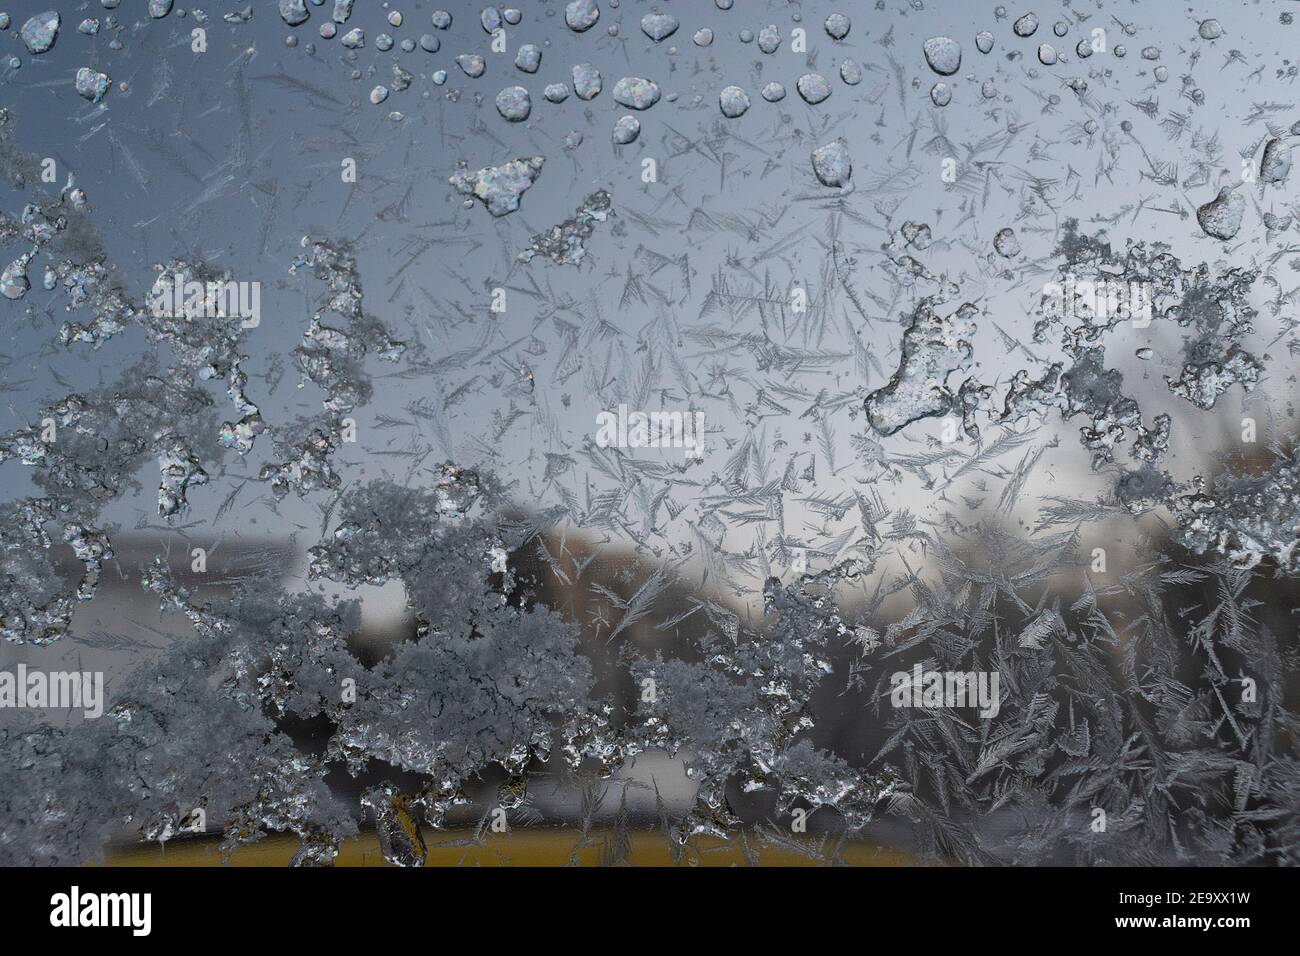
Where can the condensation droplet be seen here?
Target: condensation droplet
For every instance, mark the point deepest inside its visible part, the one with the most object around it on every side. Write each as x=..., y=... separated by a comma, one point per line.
x=813, y=88
x=1026, y=26
x=733, y=101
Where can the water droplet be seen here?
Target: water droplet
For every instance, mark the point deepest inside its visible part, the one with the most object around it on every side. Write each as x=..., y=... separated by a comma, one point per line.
x=514, y=104
x=581, y=15
x=294, y=12
x=1275, y=164
x=659, y=26
x=528, y=58
x=734, y=102
x=39, y=33
x=813, y=88
x=1026, y=26
x=14, y=283
x=500, y=188
x=626, y=130
x=1006, y=243
x=636, y=93
x=471, y=64
x=1221, y=216
x=587, y=82
x=92, y=85
x=943, y=54
x=832, y=163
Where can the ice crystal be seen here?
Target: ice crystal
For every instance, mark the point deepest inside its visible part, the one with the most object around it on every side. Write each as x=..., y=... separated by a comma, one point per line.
x=981, y=377
x=934, y=347
x=565, y=244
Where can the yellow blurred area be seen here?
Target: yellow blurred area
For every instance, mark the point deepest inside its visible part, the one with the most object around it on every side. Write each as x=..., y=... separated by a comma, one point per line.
x=520, y=848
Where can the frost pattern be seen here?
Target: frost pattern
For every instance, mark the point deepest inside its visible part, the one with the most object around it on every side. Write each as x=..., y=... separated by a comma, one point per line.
x=964, y=414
